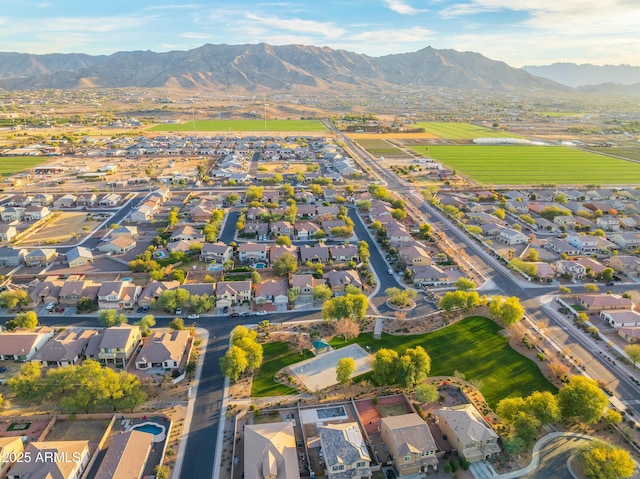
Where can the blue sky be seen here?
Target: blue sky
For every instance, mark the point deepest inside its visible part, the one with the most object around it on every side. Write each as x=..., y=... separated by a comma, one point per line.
x=518, y=32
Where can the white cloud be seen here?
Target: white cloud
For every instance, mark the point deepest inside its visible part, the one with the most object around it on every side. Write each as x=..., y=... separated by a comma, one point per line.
x=399, y=6
x=304, y=27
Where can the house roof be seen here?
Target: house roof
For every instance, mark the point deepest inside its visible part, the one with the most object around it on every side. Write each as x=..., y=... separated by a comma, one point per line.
x=251, y=247
x=305, y=281
x=66, y=345
x=409, y=433
x=50, y=469
x=467, y=424
x=164, y=345
x=20, y=342
x=118, y=336
x=273, y=451
x=271, y=287
x=316, y=251
x=126, y=456
x=605, y=301
x=78, y=252
x=232, y=287
x=277, y=250
x=624, y=316
x=154, y=289
x=343, y=444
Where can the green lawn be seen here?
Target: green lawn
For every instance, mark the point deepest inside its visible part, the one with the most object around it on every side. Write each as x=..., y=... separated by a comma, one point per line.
x=475, y=348
x=243, y=125
x=276, y=356
x=515, y=165
x=461, y=131
x=10, y=165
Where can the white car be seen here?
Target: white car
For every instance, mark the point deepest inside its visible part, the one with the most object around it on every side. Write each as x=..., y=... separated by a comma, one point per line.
x=193, y=316
x=50, y=306
x=390, y=271
x=261, y=313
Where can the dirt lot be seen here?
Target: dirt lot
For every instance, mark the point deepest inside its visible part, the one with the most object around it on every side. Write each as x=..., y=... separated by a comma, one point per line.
x=283, y=168
x=79, y=430
x=68, y=227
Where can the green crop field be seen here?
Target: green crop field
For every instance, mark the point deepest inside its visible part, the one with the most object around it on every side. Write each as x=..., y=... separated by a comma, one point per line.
x=10, y=165
x=380, y=148
x=516, y=165
x=462, y=131
x=242, y=125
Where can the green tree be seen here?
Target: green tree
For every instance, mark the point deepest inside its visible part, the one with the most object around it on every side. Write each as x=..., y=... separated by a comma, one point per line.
x=499, y=213
x=509, y=408
x=465, y=284
x=513, y=445
x=564, y=290
x=321, y=293
x=591, y=288
x=254, y=193
x=286, y=264
x=543, y=406
x=526, y=427
x=352, y=306
x=507, y=310
x=424, y=231
x=582, y=398
x=27, y=320
x=604, y=461
x=344, y=369
x=606, y=275
x=633, y=351
x=177, y=324
x=200, y=303
x=234, y=363
x=421, y=362
x=401, y=297
x=532, y=255
x=27, y=384
x=85, y=305
x=111, y=317
x=283, y=240
x=172, y=217
x=384, y=366
x=426, y=393
x=145, y=324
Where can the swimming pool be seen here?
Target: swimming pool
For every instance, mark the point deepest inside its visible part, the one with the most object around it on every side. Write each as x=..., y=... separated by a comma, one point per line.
x=158, y=431
x=331, y=412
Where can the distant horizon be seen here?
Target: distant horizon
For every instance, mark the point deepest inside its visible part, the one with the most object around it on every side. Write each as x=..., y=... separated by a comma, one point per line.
x=517, y=32
x=316, y=46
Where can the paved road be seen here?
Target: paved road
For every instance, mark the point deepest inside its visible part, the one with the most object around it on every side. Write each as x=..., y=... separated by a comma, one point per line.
x=554, y=457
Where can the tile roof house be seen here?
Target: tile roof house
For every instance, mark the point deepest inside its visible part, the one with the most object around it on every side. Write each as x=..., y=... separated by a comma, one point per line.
x=118, y=245
x=76, y=453
x=599, y=302
x=573, y=268
x=72, y=290
x=118, y=295
x=11, y=449
x=125, y=230
x=622, y=318
x=126, y=456
x=512, y=237
x=40, y=257
x=305, y=229
x=163, y=349
x=315, y=254
x=468, y=432
x=154, y=289
x=272, y=291
x=218, y=252
x=414, y=254
x=410, y=444
x=232, y=292
x=345, y=452
x=277, y=250
x=562, y=247
x=339, y=279
x=118, y=343
x=22, y=345
x=630, y=334
x=629, y=265
x=11, y=256
x=7, y=232
x=273, y=453
x=397, y=233
x=187, y=233
x=66, y=348
x=252, y=252
x=431, y=274
x=79, y=256
x=344, y=252
x=305, y=283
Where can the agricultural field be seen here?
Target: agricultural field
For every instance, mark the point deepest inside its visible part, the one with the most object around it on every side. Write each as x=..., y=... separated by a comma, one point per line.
x=517, y=165
x=10, y=165
x=380, y=148
x=461, y=131
x=244, y=125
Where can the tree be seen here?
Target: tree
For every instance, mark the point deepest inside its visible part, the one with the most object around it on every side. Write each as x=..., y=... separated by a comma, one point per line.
x=466, y=300
x=321, y=293
x=499, y=213
x=247, y=340
x=401, y=297
x=347, y=328
x=633, y=351
x=564, y=290
x=509, y=408
x=543, y=406
x=465, y=284
x=526, y=427
x=582, y=398
x=384, y=369
x=591, y=288
x=199, y=303
x=172, y=299
x=85, y=305
x=507, y=310
x=147, y=322
x=111, y=317
x=421, y=363
x=234, y=363
x=532, y=255
x=177, y=324
x=353, y=306
x=283, y=240
x=286, y=264
x=604, y=461
x=27, y=383
x=172, y=217
x=512, y=445
x=299, y=342
x=344, y=369
x=13, y=299
x=27, y=320
x=424, y=230
x=558, y=369
x=606, y=275
x=254, y=193
x=426, y=393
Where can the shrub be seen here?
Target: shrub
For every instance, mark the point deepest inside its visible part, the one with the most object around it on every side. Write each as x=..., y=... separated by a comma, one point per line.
x=540, y=356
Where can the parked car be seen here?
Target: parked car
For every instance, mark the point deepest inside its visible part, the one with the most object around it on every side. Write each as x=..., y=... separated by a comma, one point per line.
x=261, y=313
x=247, y=314
x=139, y=310
x=234, y=315
x=390, y=271
x=50, y=306
x=178, y=312
x=225, y=309
x=193, y=316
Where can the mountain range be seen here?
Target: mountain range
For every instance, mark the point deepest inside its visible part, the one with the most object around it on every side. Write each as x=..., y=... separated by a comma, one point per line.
x=262, y=68
x=575, y=75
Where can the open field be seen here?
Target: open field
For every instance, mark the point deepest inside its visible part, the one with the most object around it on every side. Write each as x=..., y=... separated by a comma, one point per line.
x=461, y=131
x=276, y=356
x=627, y=150
x=380, y=147
x=10, y=165
x=269, y=167
x=67, y=226
x=244, y=125
x=390, y=136
x=515, y=165
x=475, y=348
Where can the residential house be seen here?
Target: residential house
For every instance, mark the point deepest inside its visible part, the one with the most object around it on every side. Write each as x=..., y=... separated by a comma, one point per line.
x=40, y=257
x=545, y=225
x=123, y=230
x=253, y=252
x=429, y=275
x=66, y=348
x=345, y=453
x=591, y=265
x=277, y=250
x=624, y=264
x=118, y=295
x=273, y=292
x=305, y=229
x=35, y=213
x=468, y=432
x=187, y=233
x=118, y=343
x=163, y=349
x=338, y=280
x=20, y=200
x=491, y=229
x=42, y=199
x=110, y=199
x=305, y=284
x=154, y=289
x=397, y=233
x=11, y=449
x=88, y=199
x=344, y=253
x=126, y=456
x=21, y=344
x=216, y=252
x=270, y=451
x=281, y=228
x=627, y=241
x=257, y=228
x=315, y=254
x=118, y=245
x=482, y=218
x=79, y=256
x=566, y=267
x=594, y=303
x=410, y=444
x=11, y=256
x=414, y=254
x=326, y=212
x=562, y=247
x=199, y=289
x=512, y=237
x=625, y=318
x=142, y=214
x=230, y=293
x=254, y=213
x=7, y=232
x=65, y=201
x=630, y=334
x=45, y=291
x=76, y=452
x=544, y=271
x=306, y=212
x=12, y=213
x=74, y=289
x=608, y=223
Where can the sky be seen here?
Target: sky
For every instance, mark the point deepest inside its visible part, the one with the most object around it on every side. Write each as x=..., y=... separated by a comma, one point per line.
x=518, y=32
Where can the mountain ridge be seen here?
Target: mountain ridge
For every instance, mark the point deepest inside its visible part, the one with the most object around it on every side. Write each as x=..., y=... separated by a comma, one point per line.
x=586, y=74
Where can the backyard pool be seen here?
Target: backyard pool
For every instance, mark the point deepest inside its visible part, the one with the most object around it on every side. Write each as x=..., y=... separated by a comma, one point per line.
x=158, y=431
